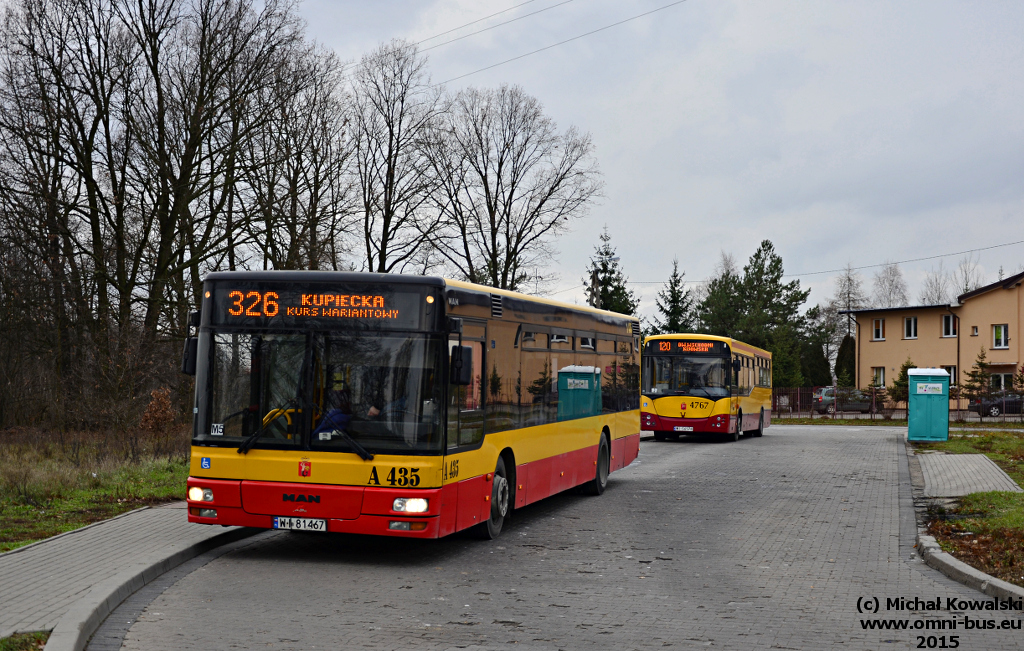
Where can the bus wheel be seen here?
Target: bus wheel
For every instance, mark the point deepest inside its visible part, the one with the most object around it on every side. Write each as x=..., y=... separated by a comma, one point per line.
x=597, y=484
x=760, y=425
x=490, y=529
x=738, y=432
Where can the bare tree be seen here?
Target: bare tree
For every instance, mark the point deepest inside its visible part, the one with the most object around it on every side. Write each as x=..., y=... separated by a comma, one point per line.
x=849, y=295
x=302, y=199
x=393, y=108
x=508, y=182
x=936, y=287
x=890, y=290
x=967, y=275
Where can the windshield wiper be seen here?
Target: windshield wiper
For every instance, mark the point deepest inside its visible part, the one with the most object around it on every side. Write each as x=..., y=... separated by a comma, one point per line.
x=704, y=390
x=359, y=449
x=249, y=442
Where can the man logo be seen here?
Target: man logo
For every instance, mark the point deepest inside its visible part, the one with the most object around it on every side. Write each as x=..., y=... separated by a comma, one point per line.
x=291, y=497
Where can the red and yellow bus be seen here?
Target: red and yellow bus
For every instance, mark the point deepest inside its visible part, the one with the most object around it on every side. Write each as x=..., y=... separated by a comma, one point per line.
x=400, y=405
x=702, y=383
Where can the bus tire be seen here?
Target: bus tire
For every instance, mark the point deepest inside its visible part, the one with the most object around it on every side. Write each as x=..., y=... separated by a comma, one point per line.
x=738, y=432
x=760, y=425
x=491, y=528
x=597, y=485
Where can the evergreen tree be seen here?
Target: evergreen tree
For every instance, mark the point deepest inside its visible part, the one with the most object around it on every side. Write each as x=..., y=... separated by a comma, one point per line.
x=785, y=347
x=900, y=391
x=606, y=282
x=768, y=302
x=977, y=383
x=675, y=305
x=846, y=360
x=721, y=309
x=816, y=339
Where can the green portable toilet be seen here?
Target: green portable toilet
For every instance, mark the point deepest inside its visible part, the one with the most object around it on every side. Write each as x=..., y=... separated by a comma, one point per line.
x=579, y=392
x=928, y=404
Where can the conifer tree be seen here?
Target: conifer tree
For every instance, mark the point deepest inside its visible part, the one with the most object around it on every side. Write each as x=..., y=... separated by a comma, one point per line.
x=846, y=361
x=675, y=305
x=900, y=391
x=977, y=383
x=605, y=281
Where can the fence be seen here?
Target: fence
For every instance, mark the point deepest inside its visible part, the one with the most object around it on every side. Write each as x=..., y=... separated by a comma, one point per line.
x=806, y=402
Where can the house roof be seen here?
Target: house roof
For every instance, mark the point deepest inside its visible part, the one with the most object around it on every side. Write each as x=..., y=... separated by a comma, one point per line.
x=1005, y=283
x=895, y=309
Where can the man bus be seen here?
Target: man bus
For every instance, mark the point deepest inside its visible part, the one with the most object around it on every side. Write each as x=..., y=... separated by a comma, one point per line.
x=400, y=405
x=702, y=383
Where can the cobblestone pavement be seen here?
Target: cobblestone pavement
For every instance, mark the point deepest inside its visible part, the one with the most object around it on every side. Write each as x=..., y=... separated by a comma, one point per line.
x=40, y=583
x=953, y=475
x=766, y=543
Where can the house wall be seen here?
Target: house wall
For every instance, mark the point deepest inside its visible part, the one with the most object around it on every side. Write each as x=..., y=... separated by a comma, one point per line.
x=983, y=311
x=930, y=349
x=996, y=306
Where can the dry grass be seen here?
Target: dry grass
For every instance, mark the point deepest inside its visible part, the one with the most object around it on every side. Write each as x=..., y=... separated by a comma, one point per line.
x=51, y=482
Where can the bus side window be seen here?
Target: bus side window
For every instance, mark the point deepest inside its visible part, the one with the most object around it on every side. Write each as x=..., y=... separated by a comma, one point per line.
x=465, y=410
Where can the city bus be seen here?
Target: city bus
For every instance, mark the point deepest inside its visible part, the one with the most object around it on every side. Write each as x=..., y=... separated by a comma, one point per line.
x=702, y=383
x=400, y=405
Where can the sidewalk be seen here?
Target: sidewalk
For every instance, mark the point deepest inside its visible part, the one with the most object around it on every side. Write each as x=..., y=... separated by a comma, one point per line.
x=938, y=477
x=69, y=583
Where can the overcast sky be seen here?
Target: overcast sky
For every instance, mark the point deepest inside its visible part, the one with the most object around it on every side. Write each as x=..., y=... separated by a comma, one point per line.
x=842, y=131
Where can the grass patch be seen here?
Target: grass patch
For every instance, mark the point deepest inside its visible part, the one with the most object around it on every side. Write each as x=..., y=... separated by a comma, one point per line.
x=826, y=420
x=50, y=484
x=24, y=641
x=985, y=530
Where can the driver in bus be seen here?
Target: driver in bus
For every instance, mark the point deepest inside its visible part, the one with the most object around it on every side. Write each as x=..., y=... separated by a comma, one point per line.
x=339, y=415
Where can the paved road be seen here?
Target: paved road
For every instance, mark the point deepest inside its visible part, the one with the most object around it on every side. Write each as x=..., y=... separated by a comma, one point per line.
x=764, y=543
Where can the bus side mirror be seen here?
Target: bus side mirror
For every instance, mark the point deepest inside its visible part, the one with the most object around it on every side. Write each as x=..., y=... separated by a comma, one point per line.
x=461, y=367
x=736, y=366
x=189, y=354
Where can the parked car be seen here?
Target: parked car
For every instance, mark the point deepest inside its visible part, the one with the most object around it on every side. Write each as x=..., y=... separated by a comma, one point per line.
x=996, y=404
x=824, y=400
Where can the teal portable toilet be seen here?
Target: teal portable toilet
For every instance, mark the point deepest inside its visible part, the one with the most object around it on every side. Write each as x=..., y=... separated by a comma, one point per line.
x=928, y=404
x=579, y=392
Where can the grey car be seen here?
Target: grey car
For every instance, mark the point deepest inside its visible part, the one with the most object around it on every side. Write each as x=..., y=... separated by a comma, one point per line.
x=825, y=400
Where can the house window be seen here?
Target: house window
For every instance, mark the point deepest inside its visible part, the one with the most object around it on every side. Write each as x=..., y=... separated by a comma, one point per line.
x=952, y=374
x=1001, y=381
x=910, y=327
x=878, y=330
x=974, y=331
x=878, y=375
x=948, y=325
x=1000, y=336
x=587, y=342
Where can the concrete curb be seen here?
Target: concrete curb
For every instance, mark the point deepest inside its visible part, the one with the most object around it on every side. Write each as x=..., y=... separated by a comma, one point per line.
x=959, y=571
x=76, y=626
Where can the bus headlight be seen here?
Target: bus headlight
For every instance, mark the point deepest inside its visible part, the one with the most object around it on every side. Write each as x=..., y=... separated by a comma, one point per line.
x=197, y=494
x=410, y=505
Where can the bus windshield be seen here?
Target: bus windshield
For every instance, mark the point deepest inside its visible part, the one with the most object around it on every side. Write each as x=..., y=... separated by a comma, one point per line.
x=321, y=391
x=685, y=375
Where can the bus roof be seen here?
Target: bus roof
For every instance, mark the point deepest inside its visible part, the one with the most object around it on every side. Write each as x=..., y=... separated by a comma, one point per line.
x=431, y=281
x=537, y=299
x=735, y=344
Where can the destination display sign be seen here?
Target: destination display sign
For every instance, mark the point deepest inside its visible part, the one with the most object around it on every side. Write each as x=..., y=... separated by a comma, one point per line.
x=278, y=305
x=683, y=346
